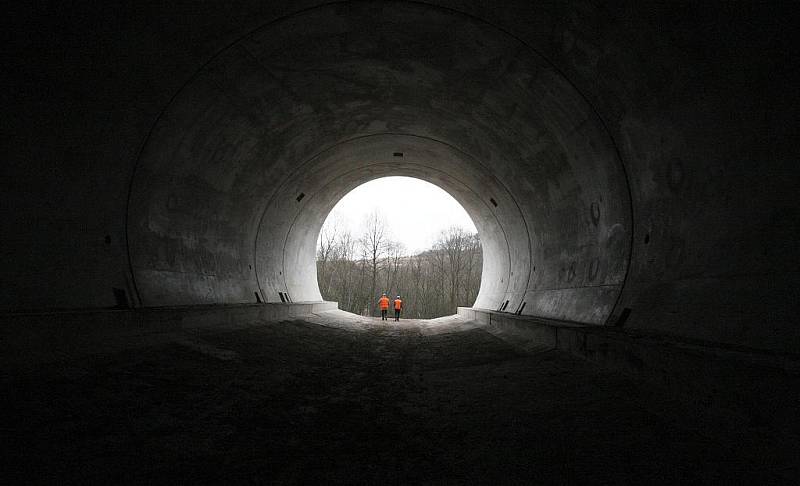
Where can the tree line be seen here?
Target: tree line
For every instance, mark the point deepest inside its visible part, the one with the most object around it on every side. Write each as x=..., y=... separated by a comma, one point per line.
x=354, y=270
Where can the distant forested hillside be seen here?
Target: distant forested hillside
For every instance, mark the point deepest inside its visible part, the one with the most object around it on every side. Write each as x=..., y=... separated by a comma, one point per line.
x=354, y=269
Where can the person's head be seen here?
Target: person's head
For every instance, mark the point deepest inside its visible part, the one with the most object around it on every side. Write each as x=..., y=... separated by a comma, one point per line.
x=398, y=296
x=383, y=293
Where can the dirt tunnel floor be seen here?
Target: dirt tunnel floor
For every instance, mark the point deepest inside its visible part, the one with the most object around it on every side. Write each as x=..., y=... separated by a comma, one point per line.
x=349, y=402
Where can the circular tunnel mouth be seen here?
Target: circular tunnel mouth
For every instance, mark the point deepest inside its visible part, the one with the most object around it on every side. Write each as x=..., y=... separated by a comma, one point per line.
x=330, y=175
x=402, y=237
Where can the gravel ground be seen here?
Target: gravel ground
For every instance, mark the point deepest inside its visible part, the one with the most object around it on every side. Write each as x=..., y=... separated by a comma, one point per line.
x=336, y=399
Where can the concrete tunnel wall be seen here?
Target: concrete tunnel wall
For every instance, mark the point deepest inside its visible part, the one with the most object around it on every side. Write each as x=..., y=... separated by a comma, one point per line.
x=640, y=157
x=334, y=173
x=234, y=151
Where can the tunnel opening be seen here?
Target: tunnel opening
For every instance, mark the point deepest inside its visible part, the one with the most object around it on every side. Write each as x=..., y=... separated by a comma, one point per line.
x=238, y=174
x=287, y=239
x=399, y=236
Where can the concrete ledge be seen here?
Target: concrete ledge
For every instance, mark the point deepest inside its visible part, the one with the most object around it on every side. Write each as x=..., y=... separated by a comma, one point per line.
x=731, y=388
x=522, y=331
x=31, y=338
x=622, y=349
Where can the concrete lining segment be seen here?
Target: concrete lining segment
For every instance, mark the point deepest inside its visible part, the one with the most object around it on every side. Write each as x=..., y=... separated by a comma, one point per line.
x=271, y=118
x=336, y=172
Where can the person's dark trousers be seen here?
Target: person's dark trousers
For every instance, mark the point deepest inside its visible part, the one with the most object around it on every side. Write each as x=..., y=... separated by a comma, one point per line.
x=397, y=314
x=383, y=314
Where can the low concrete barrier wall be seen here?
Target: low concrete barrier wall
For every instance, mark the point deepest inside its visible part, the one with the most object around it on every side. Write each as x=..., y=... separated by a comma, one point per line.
x=28, y=339
x=626, y=350
x=726, y=388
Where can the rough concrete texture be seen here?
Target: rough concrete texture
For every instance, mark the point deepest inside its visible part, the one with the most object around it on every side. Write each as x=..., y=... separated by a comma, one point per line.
x=334, y=398
x=641, y=156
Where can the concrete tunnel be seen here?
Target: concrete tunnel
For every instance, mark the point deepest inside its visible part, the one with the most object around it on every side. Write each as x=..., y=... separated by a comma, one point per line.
x=247, y=160
x=630, y=168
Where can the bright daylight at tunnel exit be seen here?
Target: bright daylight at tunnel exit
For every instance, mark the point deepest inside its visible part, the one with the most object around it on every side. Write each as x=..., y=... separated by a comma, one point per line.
x=404, y=237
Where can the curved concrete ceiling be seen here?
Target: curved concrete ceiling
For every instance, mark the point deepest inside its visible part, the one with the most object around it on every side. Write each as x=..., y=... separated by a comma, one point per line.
x=319, y=102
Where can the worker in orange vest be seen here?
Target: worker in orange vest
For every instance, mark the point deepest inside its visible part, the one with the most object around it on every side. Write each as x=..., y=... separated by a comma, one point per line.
x=384, y=305
x=398, y=306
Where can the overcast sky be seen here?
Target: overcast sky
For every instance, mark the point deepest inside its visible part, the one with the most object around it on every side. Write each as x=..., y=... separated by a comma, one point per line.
x=415, y=210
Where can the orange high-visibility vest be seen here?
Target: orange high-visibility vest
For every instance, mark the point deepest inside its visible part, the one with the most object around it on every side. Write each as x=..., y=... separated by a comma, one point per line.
x=384, y=301
x=398, y=304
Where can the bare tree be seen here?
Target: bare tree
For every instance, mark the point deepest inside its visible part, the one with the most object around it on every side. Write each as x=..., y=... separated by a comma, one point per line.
x=374, y=245
x=474, y=263
x=347, y=267
x=394, y=255
x=325, y=251
x=454, y=243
